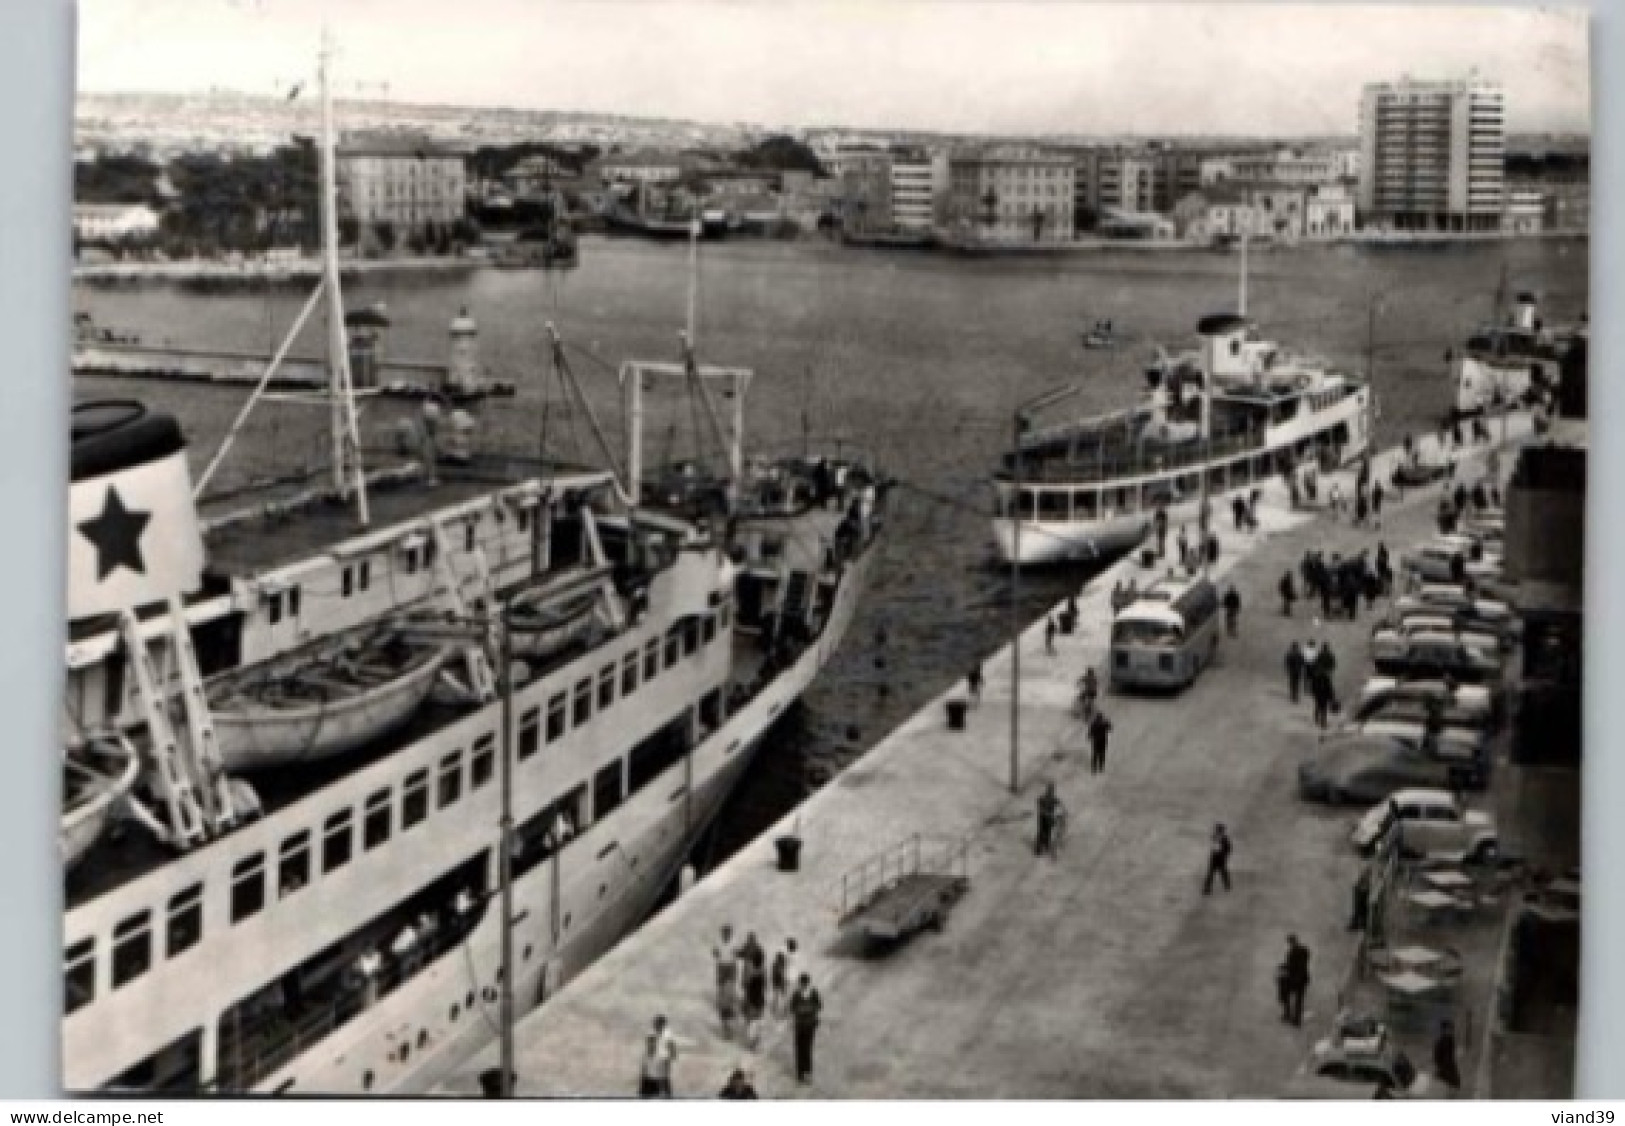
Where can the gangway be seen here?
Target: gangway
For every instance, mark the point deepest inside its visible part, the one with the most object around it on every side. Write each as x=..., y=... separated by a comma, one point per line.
x=910, y=886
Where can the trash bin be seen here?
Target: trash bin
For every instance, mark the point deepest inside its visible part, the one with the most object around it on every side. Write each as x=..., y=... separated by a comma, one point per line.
x=491, y=1082
x=956, y=715
x=789, y=853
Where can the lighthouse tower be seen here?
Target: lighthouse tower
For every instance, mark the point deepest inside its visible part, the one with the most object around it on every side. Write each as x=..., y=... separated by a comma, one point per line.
x=463, y=372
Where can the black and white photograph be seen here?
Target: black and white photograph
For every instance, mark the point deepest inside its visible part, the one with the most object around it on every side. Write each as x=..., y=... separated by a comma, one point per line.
x=901, y=550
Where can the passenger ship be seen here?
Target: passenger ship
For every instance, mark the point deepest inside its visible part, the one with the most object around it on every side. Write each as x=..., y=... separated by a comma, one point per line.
x=1507, y=363
x=311, y=901
x=1237, y=409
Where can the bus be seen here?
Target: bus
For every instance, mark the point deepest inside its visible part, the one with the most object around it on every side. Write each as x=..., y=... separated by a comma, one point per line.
x=1166, y=636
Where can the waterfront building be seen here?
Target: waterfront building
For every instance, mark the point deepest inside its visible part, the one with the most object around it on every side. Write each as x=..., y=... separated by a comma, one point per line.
x=642, y=167
x=919, y=189
x=865, y=192
x=114, y=222
x=1301, y=166
x=1432, y=155
x=1328, y=212
x=1012, y=194
x=407, y=182
x=1524, y=212
x=1283, y=212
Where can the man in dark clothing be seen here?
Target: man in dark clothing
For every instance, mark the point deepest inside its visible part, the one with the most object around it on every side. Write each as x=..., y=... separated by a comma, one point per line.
x=1458, y=499
x=1361, y=915
x=1100, y=729
x=1218, y=860
x=974, y=683
x=1360, y=509
x=1444, y=1057
x=805, y=1008
x=1238, y=510
x=1049, y=807
x=1376, y=500
x=1320, y=690
x=1212, y=548
x=1295, y=980
x=1160, y=521
x=739, y=1086
x=1351, y=595
x=1294, y=669
x=1289, y=594
x=1385, y=570
x=1326, y=592
x=1232, y=610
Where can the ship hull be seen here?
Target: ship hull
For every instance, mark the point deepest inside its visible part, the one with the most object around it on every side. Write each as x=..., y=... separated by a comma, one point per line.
x=432, y=1017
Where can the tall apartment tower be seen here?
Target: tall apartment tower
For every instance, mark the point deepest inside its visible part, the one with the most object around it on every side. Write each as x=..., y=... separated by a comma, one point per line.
x=1432, y=154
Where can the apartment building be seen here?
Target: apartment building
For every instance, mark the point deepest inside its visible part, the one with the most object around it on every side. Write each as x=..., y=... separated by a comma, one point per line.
x=407, y=182
x=1432, y=155
x=1012, y=194
x=919, y=189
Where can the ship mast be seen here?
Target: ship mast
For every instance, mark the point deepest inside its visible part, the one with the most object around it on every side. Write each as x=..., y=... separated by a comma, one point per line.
x=348, y=474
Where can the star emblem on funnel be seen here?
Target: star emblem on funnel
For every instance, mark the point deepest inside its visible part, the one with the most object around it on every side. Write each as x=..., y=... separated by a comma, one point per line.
x=116, y=533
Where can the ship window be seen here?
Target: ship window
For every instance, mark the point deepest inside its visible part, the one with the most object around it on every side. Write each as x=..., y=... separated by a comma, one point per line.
x=451, y=778
x=555, y=718
x=674, y=646
x=274, y=608
x=607, y=790
x=185, y=921
x=1052, y=505
x=375, y=827
x=414, y=799
x=79, y=982
x=247, y=887
x=482, y=764
x=724, y=616
x=523, y=520
x=349, y=581
x=1026, y=504
x=691, y=637
x=629, y=674
x=293, y=866
x=364, y=574
x=468, y=534
x=293, y=602
x=1084, y=504
x=583, y=703
x=606, y=687
x=708, y=629
x=336, y=841
x=530, y=733
x=651, y=659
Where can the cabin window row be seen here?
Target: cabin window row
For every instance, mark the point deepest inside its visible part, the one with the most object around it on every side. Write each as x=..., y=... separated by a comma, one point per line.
x=296, y=857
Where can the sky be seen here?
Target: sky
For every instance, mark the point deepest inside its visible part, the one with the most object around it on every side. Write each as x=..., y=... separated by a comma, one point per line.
x=1006, y=67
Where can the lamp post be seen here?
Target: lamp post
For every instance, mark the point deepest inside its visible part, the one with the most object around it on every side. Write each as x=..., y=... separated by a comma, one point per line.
x=505, y=868
x=1048, y=398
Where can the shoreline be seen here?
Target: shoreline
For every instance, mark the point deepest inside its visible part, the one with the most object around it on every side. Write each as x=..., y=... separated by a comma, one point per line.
x=310, y=269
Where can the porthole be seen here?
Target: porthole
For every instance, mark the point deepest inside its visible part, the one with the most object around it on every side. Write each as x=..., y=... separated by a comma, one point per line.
x=406, y=1052
x=498, y=978
x=468, y=1002
x=366, y=1081
x=423, y=1039
x=528, y=951
x=456, y=1010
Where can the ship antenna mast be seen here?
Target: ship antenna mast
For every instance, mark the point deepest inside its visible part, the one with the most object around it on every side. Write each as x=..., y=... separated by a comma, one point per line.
x=348, y=473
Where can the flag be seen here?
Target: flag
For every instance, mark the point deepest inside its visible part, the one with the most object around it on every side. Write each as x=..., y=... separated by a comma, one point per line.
x=133, y=535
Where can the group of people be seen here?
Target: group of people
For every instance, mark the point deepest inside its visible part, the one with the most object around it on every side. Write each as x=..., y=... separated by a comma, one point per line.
x=749, y=988
x=1313, y=664
x=1339, y=584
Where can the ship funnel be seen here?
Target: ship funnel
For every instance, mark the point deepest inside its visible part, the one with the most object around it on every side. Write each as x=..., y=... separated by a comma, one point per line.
x=133, y=536
x=1525, y=311
x=1224, y=346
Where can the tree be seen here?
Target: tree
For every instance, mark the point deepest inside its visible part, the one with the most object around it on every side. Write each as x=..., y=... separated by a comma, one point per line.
x=781, y=154
x=990, y=208
x=384, y=232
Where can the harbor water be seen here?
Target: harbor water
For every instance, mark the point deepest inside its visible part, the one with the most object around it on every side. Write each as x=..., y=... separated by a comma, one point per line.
x=918, y=359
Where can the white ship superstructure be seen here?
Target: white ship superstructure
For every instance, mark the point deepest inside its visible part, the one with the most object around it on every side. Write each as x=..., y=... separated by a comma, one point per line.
x=1506, y=364
x=1239, y=411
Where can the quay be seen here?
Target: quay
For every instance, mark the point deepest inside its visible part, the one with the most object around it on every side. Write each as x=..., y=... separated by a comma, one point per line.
x=1103, y=973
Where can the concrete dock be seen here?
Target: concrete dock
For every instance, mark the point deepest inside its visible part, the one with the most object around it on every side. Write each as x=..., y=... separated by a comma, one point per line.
x=1103, y=973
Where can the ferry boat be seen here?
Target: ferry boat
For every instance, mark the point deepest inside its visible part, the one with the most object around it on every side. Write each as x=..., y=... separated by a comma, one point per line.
x=360, y=920
x=1507, y=364
x=1236, y=411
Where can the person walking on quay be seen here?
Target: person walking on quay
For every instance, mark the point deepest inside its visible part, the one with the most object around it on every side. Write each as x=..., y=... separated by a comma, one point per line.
x=1160, y=523
x=659, y=1053
x=1184, y=548
x=1361, y=507
x=1289, y=594
x=1049, y=811
x=1385, y=569
x=1376, y=501
x=1049, y=636
x=784, y=971
x=1232, y=610
x=973, y=684
x=1253, y=498
x=1212, y=548
x=1238, y=511
x=1320, y=691
x=754, y=974
x=1218, y=860
x=1294, y=669
x=727, y=964
x=1100, y=729
x=1360, y=917
x=1444, y=1057
x=1294, y=980
x=1335, y=497
x=806, y=1007
x=739, y=1086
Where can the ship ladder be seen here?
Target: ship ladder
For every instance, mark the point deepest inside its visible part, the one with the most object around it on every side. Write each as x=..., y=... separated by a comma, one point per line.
x=611, y=598
x=449, y=593
x=797, y=596
x=187, y=824
x=220, y=797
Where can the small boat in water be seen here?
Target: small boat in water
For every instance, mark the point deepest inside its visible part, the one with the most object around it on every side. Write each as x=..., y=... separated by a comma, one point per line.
x=324, y=700
x=97, y=773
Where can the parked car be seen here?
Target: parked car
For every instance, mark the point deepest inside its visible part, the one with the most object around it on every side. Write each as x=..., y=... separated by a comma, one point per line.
x=1451, y=559
x=1365, y=766
x=1457, y=600
x=1390, y=638
x=1385, y=1067
x=1433, y=824
x=1441, y=654
x=1464, y=705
